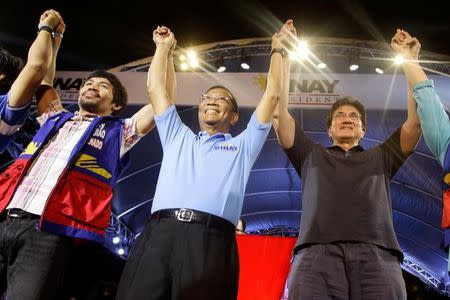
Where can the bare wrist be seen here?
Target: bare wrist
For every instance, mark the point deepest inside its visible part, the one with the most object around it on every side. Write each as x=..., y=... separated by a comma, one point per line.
x=163, y=47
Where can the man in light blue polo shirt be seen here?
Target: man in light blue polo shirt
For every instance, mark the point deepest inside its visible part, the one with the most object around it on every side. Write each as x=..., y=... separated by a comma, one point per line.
x=188, y=249
x=433, y=118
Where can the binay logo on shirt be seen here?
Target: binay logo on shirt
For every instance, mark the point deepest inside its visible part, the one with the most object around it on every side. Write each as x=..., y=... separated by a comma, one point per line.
x=226, y=147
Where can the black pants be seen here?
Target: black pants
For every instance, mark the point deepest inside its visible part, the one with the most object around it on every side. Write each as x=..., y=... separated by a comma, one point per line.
x=345, y=271
x=179, y=260
x=32, y=262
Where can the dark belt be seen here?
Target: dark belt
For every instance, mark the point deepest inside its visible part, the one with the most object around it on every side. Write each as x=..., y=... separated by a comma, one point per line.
x=193, y=216
x=20, y=214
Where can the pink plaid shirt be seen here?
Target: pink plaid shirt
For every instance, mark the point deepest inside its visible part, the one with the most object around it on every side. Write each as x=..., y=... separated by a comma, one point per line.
x=37, y=185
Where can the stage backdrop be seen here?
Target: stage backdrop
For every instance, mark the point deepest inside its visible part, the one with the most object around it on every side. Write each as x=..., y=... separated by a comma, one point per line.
x=309, y=90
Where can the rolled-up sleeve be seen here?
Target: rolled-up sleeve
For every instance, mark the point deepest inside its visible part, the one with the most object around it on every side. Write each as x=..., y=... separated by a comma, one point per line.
x=433, y=118
x=11, y=118
x=255, y=136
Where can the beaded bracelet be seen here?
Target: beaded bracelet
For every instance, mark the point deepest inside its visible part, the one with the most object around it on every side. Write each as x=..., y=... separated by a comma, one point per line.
x=278, y=50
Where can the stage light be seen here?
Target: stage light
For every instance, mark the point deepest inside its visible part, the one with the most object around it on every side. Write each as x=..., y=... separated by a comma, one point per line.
x=184, y=66
x=192, y=58
x=245, y=63
x=353, y=67
x=182, y=57
x=398, y=60
x=321, y=65
x=319, y=59
x=121, y=251
x=116, y=240
x=302, y=49
x=354, y=60
x=292, y=55
x=193, y=63
x=379, y=71
x=245, y=66
x=220, y=66
x=301, y=52
x=191, y=54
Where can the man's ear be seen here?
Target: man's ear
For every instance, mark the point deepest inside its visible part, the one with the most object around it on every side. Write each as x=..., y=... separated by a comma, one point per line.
x=234, y=119
x=116, y=107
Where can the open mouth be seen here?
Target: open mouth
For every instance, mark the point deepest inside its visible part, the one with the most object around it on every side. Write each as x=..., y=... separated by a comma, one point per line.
x=211, y=111
x=91, y=94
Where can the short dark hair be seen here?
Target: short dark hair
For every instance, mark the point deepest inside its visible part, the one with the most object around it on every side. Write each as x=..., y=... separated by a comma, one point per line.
x=120, y=96
x=348, y=100
x=234, y=104
x=10, y=66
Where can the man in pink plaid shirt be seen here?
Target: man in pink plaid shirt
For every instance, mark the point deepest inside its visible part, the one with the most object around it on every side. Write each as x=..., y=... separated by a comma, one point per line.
x=62, y=183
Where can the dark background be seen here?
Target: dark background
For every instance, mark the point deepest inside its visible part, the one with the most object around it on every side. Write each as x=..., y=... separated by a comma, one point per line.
x=105, y=34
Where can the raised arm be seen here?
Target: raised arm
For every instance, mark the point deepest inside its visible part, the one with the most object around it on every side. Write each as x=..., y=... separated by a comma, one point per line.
x=157, y=73
x=434, y=120
x=408, y=47
x=38, y=61
x=46, y=96
x=283, y=122
x=145, y=116
x=171, y=80
x=269, y=100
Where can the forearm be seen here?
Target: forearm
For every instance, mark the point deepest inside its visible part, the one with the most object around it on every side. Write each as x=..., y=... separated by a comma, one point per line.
x=284, y=124
x=51, y=72
x=285, y=85
x=40, y=53
x=145, y=119
x=34, y=71
x=47, y=99
x=275, y=76
x=413, y=117
x=411, y=130
x=46, y=96
x=266, y=107
x=413, y=72
x=156, y=80
x=171, y=81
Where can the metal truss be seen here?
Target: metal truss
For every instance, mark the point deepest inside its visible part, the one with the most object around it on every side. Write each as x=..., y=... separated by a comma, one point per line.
x=425, y=276
x=332, y=49
x=117, y=229
x=282, y=231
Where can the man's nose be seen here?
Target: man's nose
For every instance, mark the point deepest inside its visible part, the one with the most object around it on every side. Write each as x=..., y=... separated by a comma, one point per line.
x=212, y=102
x=347, y=119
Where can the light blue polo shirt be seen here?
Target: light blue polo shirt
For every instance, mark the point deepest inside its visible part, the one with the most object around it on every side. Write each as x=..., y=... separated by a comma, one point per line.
x=202, y=172
x=11, y=118
x=433, y=119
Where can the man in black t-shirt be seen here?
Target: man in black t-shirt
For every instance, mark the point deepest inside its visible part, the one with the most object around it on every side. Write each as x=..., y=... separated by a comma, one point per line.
x=347, y=248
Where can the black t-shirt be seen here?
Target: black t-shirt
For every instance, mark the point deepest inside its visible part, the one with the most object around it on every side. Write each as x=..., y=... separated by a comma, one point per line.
x=345, y=195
